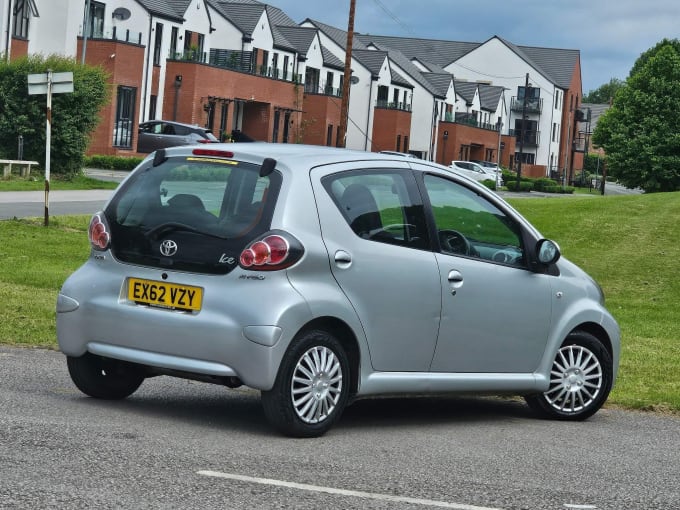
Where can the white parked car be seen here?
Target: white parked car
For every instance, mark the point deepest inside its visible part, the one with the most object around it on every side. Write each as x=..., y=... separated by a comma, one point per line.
x=475, y=171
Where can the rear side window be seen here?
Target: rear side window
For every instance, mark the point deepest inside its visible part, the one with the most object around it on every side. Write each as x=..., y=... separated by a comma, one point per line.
x=382, y=206
x=211, y=208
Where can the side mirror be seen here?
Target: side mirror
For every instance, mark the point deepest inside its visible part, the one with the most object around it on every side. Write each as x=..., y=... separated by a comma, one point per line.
x=547, y=252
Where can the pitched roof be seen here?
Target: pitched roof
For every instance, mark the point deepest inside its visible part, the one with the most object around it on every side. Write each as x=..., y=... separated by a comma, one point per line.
x=165, y=9
x=298, y=38
x=410, y=69
x=337, y=35
x=558, y=64
x=330, y=60
x=371, y=60
x=439, y=82
x=398, y=79
x=244, y=15
x=466, y=90
x=489, y=96
x=596, y=111
x=436, y=51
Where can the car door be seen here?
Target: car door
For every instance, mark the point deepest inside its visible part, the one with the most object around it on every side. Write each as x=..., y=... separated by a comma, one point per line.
x=495, y=312
x=374, y=229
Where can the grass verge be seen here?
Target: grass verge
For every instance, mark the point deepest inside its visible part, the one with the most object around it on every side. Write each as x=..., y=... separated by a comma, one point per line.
x=629, y=244
x=56, y=183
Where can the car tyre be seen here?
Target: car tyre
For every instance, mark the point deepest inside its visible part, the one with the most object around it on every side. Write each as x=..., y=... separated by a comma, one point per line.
x=104, y=378
x=311, y=387
x=580, y=380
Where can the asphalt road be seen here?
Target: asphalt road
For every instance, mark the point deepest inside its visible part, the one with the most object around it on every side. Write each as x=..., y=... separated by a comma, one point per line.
x=181, y=444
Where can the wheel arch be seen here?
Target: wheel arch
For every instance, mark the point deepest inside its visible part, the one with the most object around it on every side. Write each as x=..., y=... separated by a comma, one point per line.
x=344, y=334
x=598, y=332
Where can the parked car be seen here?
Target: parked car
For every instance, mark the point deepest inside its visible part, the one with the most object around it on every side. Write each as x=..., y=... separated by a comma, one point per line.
x=321, y=275
x=160, y=134
x=476, y=171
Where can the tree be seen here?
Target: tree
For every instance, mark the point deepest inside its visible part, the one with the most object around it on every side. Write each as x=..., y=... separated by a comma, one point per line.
x=74, y=115
x=641, y=131
x=604, y=93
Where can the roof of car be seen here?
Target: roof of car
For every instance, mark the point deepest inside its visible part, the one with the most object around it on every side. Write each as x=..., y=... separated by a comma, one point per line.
x=293, y=155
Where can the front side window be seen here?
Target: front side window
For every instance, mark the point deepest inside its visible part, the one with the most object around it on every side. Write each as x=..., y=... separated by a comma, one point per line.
x=469, y=225
x=381, y=206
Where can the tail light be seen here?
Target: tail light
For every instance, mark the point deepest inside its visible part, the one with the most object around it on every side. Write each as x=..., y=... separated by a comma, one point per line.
x=271, y=252
x=99, y=235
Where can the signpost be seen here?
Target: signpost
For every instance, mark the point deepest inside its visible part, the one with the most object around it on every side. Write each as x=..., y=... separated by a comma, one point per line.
x=49, y=83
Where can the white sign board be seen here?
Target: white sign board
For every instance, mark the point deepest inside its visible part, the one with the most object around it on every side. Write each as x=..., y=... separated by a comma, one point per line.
x=61, y=83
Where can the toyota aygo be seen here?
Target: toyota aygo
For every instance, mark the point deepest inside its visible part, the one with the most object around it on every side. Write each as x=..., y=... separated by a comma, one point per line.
x=319, y=276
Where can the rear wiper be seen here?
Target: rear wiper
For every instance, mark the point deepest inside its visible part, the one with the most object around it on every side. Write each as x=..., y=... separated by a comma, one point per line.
x=164, y=228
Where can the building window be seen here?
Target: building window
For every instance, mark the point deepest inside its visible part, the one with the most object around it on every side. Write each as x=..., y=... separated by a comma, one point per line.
x=275, y=65
x=95, y=24
x=125, y=114
x=277, y=121
x=286, y=127
x=23, y=10
x=329, y=83
x=223, y=121
x=405, y=143
x=153, y=101
x=173, y=42
x=557, y=99
x=286, y=62
x=200, y=43
x=157, y=45
x=187, y=42
x=398, y=143
x=329, y=135
x=554, y=132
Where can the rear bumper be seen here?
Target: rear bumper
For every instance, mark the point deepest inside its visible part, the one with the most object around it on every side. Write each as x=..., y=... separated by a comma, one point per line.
x=230, y=336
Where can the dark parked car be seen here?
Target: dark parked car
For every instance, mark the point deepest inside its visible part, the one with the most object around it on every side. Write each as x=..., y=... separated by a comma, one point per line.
x=159, y=134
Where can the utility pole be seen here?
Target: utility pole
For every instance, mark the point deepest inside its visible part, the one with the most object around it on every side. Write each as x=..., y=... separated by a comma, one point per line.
x=521, y=132
x=344, y=105
x=85, y=30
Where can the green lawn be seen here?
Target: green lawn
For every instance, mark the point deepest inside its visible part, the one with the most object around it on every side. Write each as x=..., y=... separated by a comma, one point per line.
x=56, y=183
x=629, y=244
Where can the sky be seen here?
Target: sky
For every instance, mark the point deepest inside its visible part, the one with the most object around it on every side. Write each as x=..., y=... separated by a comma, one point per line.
x=610, y=34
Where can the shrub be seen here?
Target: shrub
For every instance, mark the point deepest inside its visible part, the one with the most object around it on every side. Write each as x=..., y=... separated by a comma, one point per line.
x=111, y=162
x=543, y=183
x=523, y=185
x=568, y=190
x=74, y=115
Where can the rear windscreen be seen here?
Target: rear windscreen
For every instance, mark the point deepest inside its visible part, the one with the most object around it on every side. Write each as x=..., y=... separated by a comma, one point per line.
x=209, y=208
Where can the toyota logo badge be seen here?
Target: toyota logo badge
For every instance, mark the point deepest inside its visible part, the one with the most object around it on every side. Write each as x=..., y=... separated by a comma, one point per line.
x=168, y=248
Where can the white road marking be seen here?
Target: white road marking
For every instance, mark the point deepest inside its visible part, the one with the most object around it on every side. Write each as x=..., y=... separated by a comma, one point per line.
x=582, y=507
x=344, y=492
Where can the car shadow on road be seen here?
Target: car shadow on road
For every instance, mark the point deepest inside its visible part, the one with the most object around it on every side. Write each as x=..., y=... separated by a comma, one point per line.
x=221, y=409
x=450, y=410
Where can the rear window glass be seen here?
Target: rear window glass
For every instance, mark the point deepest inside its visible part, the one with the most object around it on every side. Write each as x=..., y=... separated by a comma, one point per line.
x=215, y=205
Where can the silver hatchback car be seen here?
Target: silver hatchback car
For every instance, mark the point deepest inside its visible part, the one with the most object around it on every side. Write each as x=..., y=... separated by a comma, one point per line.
x=319, y=276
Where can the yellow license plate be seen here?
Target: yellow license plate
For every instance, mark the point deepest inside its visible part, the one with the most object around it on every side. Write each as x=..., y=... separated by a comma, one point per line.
x=166, y=295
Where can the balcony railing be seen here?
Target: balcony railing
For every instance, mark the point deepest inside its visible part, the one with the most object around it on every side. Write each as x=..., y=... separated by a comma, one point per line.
x=471, y=120
x=391, y=105
x=116, y=35
x=531, y=138
x=534, y=104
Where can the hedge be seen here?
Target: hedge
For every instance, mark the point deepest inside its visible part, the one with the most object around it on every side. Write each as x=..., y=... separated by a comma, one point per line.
x=111, y=162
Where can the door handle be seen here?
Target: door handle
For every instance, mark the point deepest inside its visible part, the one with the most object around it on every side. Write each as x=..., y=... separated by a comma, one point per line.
x=343, y=259
x=456, y=280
